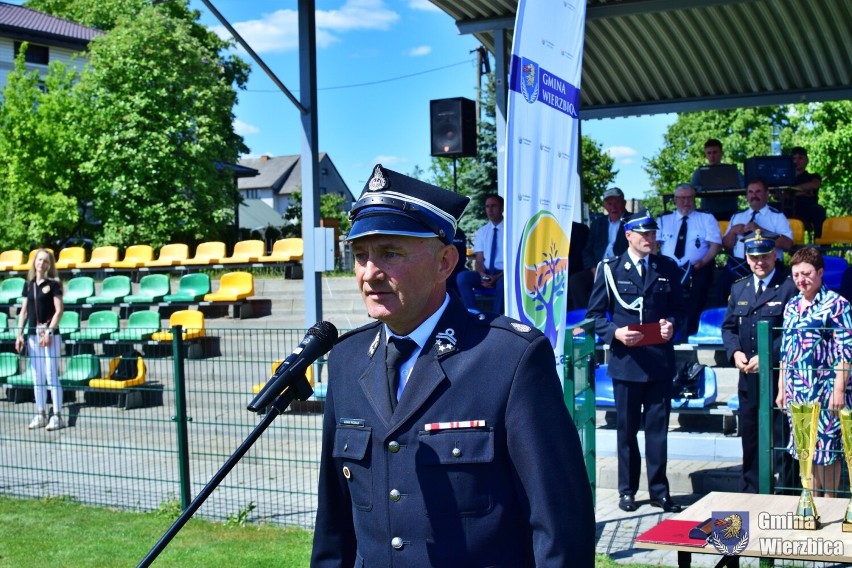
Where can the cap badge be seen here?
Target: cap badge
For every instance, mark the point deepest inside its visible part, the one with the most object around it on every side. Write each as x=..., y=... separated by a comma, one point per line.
x=378, y=181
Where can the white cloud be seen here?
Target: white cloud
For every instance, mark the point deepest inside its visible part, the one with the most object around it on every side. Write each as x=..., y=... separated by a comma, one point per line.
x=279, y=31
x=424, y=5
x=243, y=128
x=389, y=160
x=420, y=50
x=621, y=152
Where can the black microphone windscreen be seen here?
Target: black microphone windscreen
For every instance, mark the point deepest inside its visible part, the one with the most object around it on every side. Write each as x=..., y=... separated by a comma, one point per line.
x=325, y=332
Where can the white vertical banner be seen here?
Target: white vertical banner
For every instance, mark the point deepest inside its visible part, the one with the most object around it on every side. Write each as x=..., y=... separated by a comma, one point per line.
x=542, y=149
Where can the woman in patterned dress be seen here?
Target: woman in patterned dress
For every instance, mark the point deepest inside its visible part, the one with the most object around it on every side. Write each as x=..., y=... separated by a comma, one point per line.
x=816, y=350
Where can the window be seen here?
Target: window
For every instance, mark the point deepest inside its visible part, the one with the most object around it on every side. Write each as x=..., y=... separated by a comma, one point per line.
x=38, y=54
x=252, y=194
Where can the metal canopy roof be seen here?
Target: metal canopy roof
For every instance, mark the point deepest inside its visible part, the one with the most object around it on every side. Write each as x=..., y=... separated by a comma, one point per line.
x=657, y=56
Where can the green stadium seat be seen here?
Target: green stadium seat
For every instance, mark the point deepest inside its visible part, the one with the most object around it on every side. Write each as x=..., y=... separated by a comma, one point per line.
x=9, y=331
x=79, y=370
x=11, y=290
x=100, y=325
x=152, y=288
x=113, y=290
x=8, y=365
x=69, y=323
x=22, y=379
x=191, y=288
x=78, y=290
x=140, y=327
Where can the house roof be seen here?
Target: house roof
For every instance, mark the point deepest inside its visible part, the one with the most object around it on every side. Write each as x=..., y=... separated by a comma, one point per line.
x=656, y=56
x=282, y=174
x=256, y=215
x=23, y=23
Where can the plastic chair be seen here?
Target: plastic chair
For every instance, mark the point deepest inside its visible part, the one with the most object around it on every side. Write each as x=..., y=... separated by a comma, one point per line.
x=192, y=322
x=140, y=327
x=210, y=252
x=604, y=395
x=101, y=258
x=170, y=255
x=723, y=226
x=191, y=288
x=246, y=252
x=286, y=250
x=836, y=230
x=23, y=267
x=69, y=323
x=309, y=374
x=78, y=290
x=113, y=290
x=706, y=393
x=709, y=328
x=109, y=383
x=798, y=228
x=100, y=325
x=134, y=257
x=70, y=257
x=7, y=332
x=734, y=402
x=574, y=317
x=11, y=289
x=8, y=365
x=25, y=378
x=832, y=275
x=10, y=258
x=152, y=288
x=79, y=370
x=233, y=286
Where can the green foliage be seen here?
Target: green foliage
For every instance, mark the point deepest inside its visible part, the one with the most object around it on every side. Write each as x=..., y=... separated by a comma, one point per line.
x=332, y=206
x=169, y=509
x=239, y=518
x=596, y=172
x=101, y=14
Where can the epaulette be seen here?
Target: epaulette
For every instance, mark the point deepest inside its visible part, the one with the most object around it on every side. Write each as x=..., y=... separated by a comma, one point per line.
x=610, y=259
x=771, y=208
x=746, y=277
x=524, y=330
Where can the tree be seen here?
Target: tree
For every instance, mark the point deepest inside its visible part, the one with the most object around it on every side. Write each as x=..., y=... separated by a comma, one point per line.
x=596, y=173
x=100, y=14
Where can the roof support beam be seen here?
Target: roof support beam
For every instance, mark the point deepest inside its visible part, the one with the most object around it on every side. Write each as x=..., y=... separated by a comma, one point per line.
x=642, y=7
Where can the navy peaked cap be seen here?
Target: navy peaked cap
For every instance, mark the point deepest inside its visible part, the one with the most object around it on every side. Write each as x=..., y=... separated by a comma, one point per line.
x=759, y=242
x=641, y=222
x=396, y=204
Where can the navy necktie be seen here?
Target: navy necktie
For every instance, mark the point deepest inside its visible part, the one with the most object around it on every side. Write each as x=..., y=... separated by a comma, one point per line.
x=492, y=258
x=759, y=288
x=399, y=351
x=680, y=246
x=643, y=270
x=753, y=215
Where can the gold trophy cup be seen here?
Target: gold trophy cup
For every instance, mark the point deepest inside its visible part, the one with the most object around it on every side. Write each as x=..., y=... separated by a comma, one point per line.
x=805, y=416
x=846, y=430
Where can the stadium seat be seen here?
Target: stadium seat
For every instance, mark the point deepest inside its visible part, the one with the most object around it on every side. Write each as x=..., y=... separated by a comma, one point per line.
x=604, y=394
x=69, y=323
x=10, y=258
x=11, y=289
x=286, y=250
x=233, y=286
x=723, y=226
x=832, y=275
x=25, y=378
x=25, y=266
x=734, y=402
x=8, y=365
x=706, y=392
x=8, y=328
x=101, y=258
x=709, y=328
x=100, y=325
x=134, y=257
x=309, y=374
x=109, y=383
x=79, y=370
x=113, y=290
x=191, y=288
x=573, y=317
x=70, y=257
x=192, y=322
x=246, y=252
x=170, y=255
x=152, y=288
x=798, y=232
x=210, y=252
x=140, y=327
x=836, y=230
x=78, y=290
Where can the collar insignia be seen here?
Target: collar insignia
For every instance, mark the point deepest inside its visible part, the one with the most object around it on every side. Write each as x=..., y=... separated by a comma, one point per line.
x=448, y=335
x=654, y=265
x=626, y=266
x=443, y=347
x=375, y=344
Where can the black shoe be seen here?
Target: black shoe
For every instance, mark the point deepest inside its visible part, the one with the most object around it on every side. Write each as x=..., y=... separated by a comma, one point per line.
x=667, y=504
x=627, y=503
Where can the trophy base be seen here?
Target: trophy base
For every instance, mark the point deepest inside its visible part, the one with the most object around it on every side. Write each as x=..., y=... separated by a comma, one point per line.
x=807, y=522
x=846, y=527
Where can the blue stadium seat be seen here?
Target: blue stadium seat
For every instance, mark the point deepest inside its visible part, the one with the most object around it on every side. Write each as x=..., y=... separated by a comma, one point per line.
x=734, y=402
x=604, y=395
x=709, y=328
x=707, y=393
x=833, y=273
x=573, y=317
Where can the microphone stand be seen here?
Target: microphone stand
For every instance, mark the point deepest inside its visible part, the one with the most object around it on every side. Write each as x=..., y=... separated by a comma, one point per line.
x=299, y=390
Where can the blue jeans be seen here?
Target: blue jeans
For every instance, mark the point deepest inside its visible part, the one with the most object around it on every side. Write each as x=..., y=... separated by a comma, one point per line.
x=468, y=281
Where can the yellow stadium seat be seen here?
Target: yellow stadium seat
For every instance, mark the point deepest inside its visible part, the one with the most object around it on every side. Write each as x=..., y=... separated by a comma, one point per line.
x=192, y=322
x=135, y=256
x=171, y=255
x=101, y=258
x=233, y=286
x=70, y=257
x=110, y=383
x=10, y=258
x=23, y=267
x=723, y=226
x=798, y=231
x=286, y=250
x=246, y=252
x=309, y=373
x=210, y=252
x=836, y=230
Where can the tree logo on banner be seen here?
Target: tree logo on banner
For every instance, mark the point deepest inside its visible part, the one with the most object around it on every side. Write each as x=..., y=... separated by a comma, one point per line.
x=542, y=262
x=529, y=80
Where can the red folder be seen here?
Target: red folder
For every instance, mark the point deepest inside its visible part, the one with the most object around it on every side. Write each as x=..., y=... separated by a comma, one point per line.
x=651, y=333
x=675, y=533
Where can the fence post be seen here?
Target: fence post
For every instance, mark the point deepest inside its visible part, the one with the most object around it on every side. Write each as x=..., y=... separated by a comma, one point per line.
x=765, y=409
x=180, y=416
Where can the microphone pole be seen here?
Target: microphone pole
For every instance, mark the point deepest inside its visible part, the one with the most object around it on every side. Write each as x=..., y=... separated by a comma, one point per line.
x=298, y=390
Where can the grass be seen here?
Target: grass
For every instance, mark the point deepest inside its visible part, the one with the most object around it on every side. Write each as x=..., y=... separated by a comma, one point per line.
x=60, y=532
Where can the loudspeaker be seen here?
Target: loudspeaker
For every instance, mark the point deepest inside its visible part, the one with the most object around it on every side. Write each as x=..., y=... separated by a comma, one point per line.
x=453, y=127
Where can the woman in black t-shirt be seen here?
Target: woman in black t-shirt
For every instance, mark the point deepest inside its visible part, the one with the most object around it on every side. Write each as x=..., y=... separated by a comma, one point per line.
x=38, y=321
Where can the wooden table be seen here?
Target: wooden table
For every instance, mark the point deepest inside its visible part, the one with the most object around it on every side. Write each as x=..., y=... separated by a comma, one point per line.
x=831, y=512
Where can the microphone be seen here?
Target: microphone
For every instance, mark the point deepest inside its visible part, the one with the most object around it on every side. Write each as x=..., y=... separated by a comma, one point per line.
x=317, y=342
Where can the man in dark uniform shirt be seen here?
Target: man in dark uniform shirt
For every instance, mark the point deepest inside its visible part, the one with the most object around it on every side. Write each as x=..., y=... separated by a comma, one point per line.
x=457, y=450
x=758, y=297
x=639, y=287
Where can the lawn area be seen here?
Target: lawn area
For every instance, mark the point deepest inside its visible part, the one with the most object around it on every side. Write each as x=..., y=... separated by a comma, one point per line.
x=61, y=533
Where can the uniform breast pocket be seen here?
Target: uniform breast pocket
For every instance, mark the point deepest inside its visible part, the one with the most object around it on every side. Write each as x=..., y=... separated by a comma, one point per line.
x=662, y=287
x=628, y=289
x=456, y=472
x=352, y=448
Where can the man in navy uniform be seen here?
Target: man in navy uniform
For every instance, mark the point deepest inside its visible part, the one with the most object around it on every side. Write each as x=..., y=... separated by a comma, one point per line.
x=760, y=296
x=639, y=287
x=446, y=441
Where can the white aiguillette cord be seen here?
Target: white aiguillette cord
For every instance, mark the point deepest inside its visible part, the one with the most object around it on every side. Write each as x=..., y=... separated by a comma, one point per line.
x=635, y=306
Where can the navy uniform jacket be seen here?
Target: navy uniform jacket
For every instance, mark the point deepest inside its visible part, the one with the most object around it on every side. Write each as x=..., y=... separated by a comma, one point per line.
x=663, y=300
x=512, y=493
x=739, y=330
